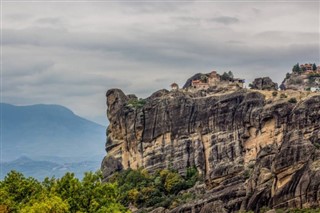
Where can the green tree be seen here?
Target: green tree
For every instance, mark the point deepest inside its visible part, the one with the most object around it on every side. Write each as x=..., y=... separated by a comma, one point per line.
x=96, y=194
x=230, y=74
x=67, y=194
x=173, y=182
x=296, y=68
x=70, y=190
x=314, y=67
x=16, y=190
x=287, y=75
x=52, y=204
x=225, y=77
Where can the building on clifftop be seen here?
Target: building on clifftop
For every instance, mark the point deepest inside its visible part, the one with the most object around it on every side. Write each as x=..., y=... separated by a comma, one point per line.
x=213, y=79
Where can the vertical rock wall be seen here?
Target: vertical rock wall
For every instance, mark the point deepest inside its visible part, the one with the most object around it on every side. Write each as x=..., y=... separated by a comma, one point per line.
x=250, y=153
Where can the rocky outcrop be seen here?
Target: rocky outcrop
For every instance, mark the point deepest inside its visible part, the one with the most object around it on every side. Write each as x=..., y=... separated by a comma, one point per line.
x=264, y=83
x=301, y=81
x=250, y=152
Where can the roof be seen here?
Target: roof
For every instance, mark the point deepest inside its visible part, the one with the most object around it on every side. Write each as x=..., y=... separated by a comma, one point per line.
x=239, y=79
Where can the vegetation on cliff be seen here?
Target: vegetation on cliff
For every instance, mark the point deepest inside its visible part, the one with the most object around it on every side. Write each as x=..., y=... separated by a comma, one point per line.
x=164, y=188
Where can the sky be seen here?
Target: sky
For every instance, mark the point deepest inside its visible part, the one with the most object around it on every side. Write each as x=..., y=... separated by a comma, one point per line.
x=71, y=52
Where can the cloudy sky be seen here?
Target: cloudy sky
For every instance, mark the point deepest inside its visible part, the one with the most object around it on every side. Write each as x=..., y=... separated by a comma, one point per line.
x=71, y=53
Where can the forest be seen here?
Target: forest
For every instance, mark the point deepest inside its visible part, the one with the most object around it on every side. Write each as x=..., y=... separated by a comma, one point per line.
x=137, y=189
x=69, y=194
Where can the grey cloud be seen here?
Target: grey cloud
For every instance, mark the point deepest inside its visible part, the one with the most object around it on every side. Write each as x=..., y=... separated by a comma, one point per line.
x=256, y=11
x=49, y=20
x=161, y=49
x=187, y=20
x=17, y=17
x=226, y=20
x=282, y=35
x=235, y=42
x=53, y=22
x=154, y=7
x=73, y=59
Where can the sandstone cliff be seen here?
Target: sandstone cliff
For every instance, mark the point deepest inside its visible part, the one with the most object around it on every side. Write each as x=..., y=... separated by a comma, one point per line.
x=252, y=149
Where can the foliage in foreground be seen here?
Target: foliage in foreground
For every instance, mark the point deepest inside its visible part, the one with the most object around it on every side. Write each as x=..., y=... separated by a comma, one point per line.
x=67, y=194
x=163, y=188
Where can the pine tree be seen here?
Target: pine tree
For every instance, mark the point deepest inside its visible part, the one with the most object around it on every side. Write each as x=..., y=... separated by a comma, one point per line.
x=296, y=68
x=314, y=67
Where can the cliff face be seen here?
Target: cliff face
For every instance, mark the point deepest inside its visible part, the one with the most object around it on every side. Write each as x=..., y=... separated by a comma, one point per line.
x=252, y=152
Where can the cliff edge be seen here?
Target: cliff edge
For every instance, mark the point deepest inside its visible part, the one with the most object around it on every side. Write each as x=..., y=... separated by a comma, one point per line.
x=253, y=148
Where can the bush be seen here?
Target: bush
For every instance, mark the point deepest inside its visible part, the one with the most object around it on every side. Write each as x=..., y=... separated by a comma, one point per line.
x=288, y=75
x=283, y=96
x=293, y=100
x=142, y=189
x=317, y=145
x=136, y=103
x=246, y=174
x=264, y=209
x=226, y=76
x=274, y=93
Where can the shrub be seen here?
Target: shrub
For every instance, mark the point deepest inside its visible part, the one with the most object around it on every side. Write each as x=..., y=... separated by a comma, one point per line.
x=153, y=190
x=136, y=103
x=264, y=209
x=246, y=174
x=293, y=100
x=288, y=75
x=317, y=145
x=274, y=93
x=283, y=96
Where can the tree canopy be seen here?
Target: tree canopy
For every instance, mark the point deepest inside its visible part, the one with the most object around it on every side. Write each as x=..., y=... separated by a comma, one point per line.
x=67, y=194
x=226, y=76
x=296, y=68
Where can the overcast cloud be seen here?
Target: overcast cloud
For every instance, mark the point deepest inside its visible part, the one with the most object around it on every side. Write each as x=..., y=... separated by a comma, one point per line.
x=72, y=53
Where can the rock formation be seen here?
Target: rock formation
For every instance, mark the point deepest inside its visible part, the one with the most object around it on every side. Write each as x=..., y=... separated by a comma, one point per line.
x=264, y=83
x=251, y=152
x=303, y=77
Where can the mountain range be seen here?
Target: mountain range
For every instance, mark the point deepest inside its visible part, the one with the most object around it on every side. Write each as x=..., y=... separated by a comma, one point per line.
x=50, y=135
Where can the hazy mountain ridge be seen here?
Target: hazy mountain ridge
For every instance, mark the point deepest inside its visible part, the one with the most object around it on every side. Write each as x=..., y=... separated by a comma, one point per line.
x=44, y=129
x=48, y=134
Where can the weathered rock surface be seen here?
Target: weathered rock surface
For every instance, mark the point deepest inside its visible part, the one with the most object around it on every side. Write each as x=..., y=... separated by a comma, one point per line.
x=264, y=83
x=301, y=81
x=251, y=152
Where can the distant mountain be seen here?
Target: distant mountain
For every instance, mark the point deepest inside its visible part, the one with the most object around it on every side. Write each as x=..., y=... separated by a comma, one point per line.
x=42, y=169
x=49, y=131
